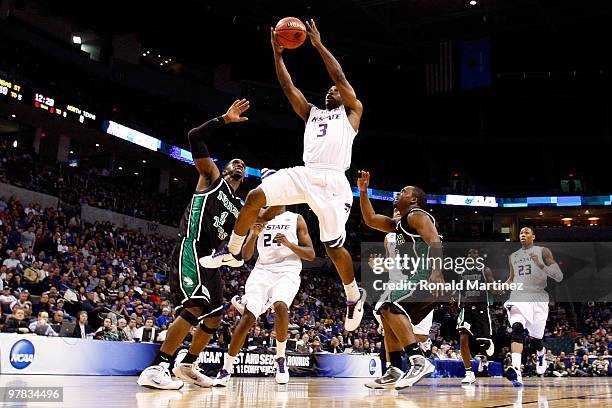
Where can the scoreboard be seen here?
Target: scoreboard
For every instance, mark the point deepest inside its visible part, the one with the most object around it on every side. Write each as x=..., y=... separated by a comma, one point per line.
x=44, y=101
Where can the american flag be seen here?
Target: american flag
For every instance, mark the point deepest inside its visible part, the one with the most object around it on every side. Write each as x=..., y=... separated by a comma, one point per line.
x=439, y=72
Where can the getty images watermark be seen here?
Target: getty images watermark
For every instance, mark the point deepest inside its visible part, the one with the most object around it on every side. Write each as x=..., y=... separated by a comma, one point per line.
x=405, y=271
x=410, y=266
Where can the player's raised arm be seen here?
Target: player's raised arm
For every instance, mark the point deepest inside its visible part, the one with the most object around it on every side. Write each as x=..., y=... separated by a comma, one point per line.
x=209, y=172
x=304, y=248
x=296, y=97
x=377, y=221
x=334, y=69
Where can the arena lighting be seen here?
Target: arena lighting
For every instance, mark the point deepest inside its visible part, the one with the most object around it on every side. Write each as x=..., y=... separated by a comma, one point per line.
x=567, y=219
x=475, y=212
x=71, y=152
x=120, y=168
x=593, y=218
x=135, y=173
x=97, y=144
x=473, y=2
x=541, y=213
x=151, y=143
x=144, y=161
x=13, y=116
x=15, y=143
x=144, y=54
x=586, y=212
x=175, y=179
x=76, y=39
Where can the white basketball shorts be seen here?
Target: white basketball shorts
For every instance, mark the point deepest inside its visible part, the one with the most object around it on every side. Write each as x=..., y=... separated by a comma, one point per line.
x=532, y=315
x=263, y=288
x=327, y=192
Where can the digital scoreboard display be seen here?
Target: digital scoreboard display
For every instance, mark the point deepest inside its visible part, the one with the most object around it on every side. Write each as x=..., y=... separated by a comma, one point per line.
x=10, y=89
x=68, y=111
x=44, y=101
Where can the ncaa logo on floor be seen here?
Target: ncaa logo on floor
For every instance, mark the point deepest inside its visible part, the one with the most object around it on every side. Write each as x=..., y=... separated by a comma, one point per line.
x=372, y=366
x=22, y=354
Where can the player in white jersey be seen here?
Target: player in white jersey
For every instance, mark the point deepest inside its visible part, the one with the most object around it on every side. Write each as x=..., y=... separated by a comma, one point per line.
x=282, y=243
x=321, y=182
x=527, y=308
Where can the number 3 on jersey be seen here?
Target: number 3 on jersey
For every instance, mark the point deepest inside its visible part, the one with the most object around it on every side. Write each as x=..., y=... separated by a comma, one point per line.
x=322, y=129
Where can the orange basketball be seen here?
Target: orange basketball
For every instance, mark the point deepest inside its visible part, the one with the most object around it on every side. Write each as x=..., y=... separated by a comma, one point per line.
x=290, y=32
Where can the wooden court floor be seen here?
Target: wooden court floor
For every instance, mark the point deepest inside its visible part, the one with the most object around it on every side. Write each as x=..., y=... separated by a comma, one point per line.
x=322, y=392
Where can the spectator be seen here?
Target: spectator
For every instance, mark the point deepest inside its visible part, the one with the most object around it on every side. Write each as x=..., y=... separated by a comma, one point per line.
x=41, y=326
x=334, y=346
x=12, y=262
x=256, y=339
x=103, y=330
x=600, y=367
x=357, y=346
x=42, y=305
x=315, y=345
x=146, y=333
x=27, y=238
x=559, y=369
x=130, y=330
x=7, y=297
x=24, y=302
x=164, y=319
x=82, y=329
x=58, y=319
x=121, y=325
x=303, y=345
x=17, y=323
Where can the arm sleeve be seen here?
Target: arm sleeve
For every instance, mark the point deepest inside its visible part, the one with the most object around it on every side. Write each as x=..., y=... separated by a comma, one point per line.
x=197, y=137
x=554, y=272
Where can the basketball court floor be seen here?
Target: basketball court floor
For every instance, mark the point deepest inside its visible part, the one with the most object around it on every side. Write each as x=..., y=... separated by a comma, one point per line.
x=320, y=392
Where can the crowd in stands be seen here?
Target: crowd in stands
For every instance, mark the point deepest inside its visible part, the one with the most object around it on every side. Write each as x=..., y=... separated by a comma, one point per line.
x=86, y=185
x=60, y=276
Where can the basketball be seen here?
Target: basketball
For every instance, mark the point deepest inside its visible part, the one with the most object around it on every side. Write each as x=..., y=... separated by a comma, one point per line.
x=290, y=32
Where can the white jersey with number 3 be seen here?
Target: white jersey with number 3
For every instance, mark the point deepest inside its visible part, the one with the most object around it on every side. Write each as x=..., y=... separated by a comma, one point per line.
x=274, y=256
x=328, y=139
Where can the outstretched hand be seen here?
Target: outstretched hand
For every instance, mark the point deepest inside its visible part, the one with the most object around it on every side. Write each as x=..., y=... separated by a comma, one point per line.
x=278, y=49
x=313, y=33
x=238, y=108
x=363, y=181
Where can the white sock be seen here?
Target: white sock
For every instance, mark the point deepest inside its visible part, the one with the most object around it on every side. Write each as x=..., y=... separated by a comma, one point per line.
x=235, y=243
x=516, y=360
x=352, y=291
x=228, y=365
x=542, y=352
x=280, y=348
